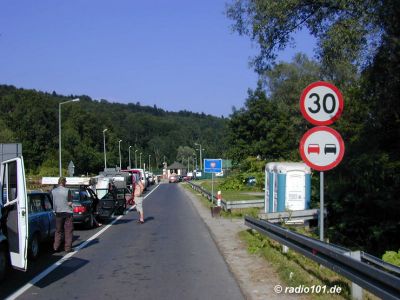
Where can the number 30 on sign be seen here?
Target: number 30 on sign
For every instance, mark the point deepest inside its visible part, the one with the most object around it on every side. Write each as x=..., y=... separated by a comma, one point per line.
x=321, y=103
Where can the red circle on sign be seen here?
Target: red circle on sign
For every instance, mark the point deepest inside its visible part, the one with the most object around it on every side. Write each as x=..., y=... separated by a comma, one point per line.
x=303, y=150
x=305, y=112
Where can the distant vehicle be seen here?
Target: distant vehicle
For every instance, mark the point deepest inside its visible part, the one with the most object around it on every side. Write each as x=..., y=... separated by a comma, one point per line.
x=41, y=221
x=150, y=178
x=83, y=201
x=173, y=178
x=251, y=180
x=330, y=148
x=313, y=148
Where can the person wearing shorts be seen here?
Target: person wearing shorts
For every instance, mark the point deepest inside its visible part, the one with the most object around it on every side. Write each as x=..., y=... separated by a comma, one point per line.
x=139, y=203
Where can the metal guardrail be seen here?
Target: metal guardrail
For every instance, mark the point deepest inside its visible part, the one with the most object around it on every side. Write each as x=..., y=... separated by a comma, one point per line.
x=379, y=282
x=226, y=204
x=284, y=216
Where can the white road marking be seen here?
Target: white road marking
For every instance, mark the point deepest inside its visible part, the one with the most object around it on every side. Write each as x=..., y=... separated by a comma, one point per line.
x=50, y=269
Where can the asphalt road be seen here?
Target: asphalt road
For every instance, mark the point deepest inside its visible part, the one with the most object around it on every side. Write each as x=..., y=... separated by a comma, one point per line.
x=171, y=256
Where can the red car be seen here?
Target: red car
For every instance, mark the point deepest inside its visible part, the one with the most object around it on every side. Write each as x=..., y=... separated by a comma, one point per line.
x=173, y=178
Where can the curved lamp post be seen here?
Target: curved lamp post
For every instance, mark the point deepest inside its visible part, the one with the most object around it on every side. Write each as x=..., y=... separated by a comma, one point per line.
x=119, y=149
x=136, y=159
x=59, y=132
x=104, y=143
x=129, y=150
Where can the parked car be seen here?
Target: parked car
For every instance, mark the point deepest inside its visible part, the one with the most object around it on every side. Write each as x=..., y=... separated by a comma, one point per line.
x=84, y=200
x=41, y=221
x=251, y=180
x=173, y=178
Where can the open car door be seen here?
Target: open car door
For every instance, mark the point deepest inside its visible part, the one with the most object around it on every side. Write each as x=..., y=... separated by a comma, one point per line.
x=14, y=200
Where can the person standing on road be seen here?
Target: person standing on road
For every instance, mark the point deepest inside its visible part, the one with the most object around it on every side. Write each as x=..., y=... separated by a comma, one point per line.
x=62, y=205
x=139, y=201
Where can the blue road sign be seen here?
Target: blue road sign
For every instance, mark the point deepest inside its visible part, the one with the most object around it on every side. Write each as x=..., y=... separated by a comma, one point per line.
x=212, y=165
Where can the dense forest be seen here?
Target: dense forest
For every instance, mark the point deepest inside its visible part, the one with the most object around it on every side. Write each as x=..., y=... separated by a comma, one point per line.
x=31, y=118
x=358, y=50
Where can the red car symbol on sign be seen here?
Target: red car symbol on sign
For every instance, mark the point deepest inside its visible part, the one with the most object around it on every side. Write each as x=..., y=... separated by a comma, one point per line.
x=313, y=148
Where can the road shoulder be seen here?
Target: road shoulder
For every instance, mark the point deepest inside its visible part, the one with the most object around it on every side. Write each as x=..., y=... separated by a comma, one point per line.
x=254, y=274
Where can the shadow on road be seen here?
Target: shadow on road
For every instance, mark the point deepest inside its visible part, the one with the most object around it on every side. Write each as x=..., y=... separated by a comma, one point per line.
x=68, y=267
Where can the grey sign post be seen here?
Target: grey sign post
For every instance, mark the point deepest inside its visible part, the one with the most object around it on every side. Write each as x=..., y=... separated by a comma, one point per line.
x=71, y=169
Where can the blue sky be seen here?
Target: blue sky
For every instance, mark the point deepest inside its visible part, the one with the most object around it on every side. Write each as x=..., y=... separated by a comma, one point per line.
x=178, y=55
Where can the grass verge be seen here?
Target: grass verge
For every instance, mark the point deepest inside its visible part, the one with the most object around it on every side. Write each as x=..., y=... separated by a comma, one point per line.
x=237, y=213
x=295, y=269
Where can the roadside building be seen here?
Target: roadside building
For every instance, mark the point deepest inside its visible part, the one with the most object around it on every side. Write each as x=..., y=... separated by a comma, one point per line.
x=177, y=168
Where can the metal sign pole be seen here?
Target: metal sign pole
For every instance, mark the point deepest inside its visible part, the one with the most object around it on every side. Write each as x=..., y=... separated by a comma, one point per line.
x=212, y=188
x=321, y=207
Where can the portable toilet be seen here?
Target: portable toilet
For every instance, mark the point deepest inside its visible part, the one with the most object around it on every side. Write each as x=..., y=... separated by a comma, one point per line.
x=288, y=185
x=270, y=200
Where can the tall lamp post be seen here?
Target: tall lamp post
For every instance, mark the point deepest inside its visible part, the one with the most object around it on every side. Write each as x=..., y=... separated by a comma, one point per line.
x=119, y=149
x=149, y=163
x=201, y=162
x=104, y=143
x=135, y=159
x=129, y=150
x=59, y=132
x=140, y=160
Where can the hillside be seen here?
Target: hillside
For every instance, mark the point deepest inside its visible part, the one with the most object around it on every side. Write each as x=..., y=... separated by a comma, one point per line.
x=31, y=117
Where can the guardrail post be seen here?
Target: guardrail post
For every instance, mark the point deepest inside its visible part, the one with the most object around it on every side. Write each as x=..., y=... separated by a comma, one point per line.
x=285, y=249
x=356, y=290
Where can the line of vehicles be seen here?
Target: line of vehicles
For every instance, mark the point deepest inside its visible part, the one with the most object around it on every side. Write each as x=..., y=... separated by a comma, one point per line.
x=27, y=218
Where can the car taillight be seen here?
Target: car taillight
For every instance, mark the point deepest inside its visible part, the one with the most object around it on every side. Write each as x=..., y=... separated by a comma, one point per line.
x=79, y=209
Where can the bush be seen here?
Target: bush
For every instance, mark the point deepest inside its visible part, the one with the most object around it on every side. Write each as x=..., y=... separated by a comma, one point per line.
x=392, y=257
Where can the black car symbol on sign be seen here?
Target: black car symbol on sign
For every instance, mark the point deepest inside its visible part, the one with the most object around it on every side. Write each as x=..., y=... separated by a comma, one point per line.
x=330, y=148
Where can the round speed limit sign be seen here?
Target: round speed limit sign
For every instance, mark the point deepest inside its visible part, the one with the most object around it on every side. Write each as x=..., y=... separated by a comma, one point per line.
x=321, y=103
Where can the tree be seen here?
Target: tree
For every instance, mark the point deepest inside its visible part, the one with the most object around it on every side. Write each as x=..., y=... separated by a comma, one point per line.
x=344, y=30
x=184, y=153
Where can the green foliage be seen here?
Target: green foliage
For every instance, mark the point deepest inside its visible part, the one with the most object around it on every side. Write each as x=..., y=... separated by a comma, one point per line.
x=358, y=50
x=392, y=257
x=345, y=30
x=31, y=117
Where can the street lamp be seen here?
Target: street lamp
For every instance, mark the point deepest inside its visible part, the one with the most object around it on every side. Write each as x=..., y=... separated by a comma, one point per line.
x=135, y=159
x=201, y=162
x=119, y=148
x=129, y=150
x=149, y=163
x=59, y=131
x=140, y=160
x=104, y=143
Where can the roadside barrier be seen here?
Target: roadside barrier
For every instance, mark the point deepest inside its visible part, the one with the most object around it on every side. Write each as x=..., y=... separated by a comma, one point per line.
x=226, y=204
x=364, y=270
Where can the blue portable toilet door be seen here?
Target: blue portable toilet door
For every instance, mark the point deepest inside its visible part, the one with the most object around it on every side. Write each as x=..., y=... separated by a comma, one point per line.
x=295, y=190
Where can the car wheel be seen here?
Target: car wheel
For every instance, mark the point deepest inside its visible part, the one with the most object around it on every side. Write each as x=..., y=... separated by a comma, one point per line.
x=34, y=247
x=90, y=223
x=3, y=262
